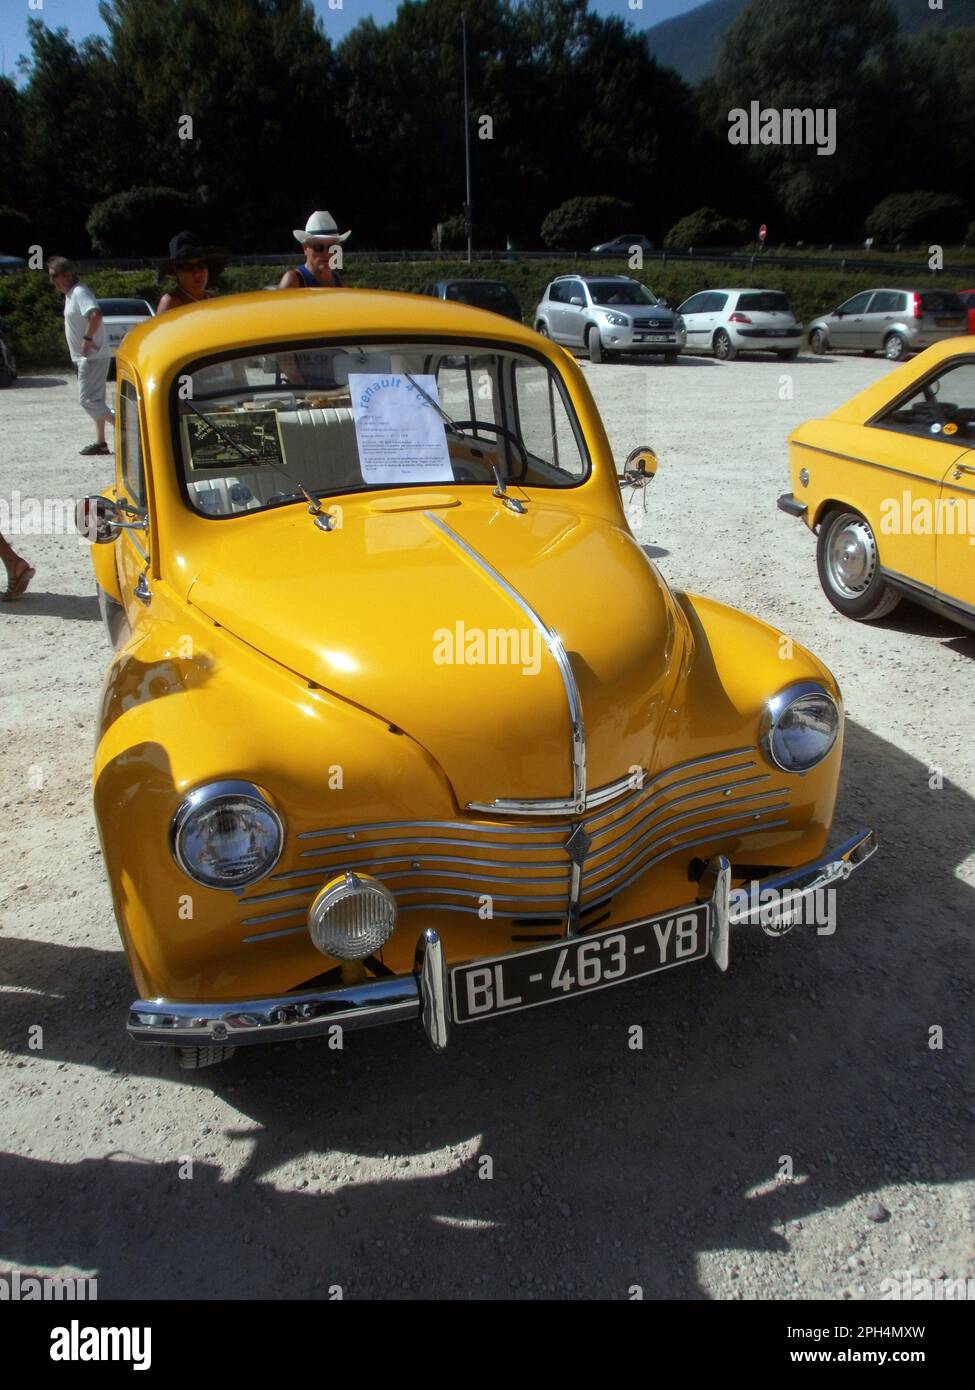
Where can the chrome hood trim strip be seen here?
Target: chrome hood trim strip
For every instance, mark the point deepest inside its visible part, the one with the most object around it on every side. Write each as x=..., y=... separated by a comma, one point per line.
x=557, y=651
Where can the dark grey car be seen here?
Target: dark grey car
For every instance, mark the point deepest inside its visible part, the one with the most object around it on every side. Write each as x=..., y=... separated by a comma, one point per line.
x=894, y=322
x=482, y=294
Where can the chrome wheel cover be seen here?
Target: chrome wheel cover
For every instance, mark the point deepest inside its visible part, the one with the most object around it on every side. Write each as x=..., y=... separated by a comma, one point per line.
x=851, y=557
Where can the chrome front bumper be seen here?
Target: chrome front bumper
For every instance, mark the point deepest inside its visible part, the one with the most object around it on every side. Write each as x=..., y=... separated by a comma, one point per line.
x=424, y=994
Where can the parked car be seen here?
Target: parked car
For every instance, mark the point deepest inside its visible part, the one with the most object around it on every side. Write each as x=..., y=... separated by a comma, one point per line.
x=121, y=315
x=727, y=322
x=9, y=263
x=623, y=245
x=887, y=482
x=401, y=722
x=968, y=299
x=608, y=315
x=482, y=294
x=8, y=362
x=895, y=322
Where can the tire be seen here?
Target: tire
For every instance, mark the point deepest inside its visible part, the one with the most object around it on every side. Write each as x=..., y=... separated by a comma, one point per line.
x=848, y=561
x=542, y=329
x=789, y=356
x=818, y=342
x=594, y=344
x=724, y=348
x=669, y=358
x=895, y=348
x=870, y=352
x=193, y=1058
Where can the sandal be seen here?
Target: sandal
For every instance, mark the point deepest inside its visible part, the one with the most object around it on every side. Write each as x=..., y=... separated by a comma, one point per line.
x=95, y=449
x=17, y=585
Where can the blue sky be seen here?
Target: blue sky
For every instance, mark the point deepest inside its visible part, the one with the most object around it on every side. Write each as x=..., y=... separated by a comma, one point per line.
x=80, y=17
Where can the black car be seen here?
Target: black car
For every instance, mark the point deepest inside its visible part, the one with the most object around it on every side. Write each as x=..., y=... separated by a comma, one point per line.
x=480, y=294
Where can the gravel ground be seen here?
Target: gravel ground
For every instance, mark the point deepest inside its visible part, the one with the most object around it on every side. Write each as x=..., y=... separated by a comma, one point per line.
x=365, y=1169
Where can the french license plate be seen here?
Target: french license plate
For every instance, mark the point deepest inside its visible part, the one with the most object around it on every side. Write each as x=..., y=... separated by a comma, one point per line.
x=948, y=323
x=658, y=338
x=579, y=964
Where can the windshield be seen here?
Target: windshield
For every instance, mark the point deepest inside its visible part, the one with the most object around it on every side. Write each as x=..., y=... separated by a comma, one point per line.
x=253, y=431
x=620, y=292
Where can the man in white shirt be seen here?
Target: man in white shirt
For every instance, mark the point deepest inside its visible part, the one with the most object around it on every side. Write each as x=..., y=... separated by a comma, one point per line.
x=88, y=345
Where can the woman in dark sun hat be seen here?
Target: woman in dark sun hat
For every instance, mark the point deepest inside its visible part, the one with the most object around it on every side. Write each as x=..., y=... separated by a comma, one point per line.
x=192, y=264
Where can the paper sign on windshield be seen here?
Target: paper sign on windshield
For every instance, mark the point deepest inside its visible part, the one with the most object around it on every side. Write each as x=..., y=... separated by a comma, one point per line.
x=400, y=434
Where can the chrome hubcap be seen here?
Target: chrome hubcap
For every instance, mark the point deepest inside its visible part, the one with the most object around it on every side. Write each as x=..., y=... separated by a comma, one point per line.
x=851, y=557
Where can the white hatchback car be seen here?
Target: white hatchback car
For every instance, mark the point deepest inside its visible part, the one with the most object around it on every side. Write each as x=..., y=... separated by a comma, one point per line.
x=727, y=322
x=122, y=314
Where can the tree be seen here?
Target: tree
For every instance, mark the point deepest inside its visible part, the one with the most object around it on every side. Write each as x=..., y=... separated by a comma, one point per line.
x=706, y=227
x=918, y=217
x=831, y=56
x=579, y=223
x=127, y=224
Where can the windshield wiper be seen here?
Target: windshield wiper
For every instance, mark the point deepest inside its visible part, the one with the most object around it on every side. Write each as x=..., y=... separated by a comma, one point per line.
x=322, y=519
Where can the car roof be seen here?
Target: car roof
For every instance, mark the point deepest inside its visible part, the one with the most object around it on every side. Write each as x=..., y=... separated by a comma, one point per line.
x=747, y=289
x=624, y=279
x=242, y=321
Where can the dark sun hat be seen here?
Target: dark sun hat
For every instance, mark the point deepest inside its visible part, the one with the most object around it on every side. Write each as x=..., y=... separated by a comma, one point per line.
x=187, y=246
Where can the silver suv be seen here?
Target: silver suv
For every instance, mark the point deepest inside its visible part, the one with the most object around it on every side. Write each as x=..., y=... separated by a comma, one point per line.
x=608, y=315
x=894, y=322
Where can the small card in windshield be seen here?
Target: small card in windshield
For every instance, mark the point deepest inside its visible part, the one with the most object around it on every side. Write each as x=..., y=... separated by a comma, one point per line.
x=399, y=429
x=206, y=443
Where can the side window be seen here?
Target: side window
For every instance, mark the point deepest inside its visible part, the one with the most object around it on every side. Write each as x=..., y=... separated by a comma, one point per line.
x=577, y=290
x=858, y=304
x=886, y=302
x=556, y=292
x=943, y=409
x=716, y=302
x=129, y=444
x=694, y=305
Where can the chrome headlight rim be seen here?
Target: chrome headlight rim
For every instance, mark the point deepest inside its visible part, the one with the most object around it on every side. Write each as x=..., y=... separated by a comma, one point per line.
x=778, y=705
x=339, y=889
x=204, y=796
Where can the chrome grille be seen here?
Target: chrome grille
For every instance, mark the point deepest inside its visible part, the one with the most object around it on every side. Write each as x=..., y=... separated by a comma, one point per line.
x=525, y=869
x=654, y=323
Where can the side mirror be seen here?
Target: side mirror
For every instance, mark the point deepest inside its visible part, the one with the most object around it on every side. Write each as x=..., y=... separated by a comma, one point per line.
x=577, y=301
x=642, y=462
x=837, y=313
x=100, y=520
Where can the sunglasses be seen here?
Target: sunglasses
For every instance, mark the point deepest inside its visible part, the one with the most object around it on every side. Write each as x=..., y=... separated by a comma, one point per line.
x=318, y=246
x=191, y=265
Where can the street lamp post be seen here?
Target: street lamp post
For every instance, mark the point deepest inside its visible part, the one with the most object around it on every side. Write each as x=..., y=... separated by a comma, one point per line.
x=467, y=145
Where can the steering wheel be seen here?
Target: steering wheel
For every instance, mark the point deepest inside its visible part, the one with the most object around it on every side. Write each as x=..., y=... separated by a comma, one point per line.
x=459, y=425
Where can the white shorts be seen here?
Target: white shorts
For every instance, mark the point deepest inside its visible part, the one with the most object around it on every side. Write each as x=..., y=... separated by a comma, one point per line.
x=92, y=376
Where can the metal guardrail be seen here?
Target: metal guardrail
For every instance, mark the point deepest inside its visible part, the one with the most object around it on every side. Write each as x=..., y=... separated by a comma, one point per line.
x=722, y=256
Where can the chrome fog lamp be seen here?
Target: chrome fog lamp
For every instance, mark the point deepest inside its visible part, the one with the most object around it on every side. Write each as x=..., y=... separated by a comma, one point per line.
x=353, y=916
x=227, y=835
x=801, y=725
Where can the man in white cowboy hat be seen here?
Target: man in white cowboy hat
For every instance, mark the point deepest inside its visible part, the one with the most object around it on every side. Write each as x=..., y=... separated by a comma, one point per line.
x=319, y=237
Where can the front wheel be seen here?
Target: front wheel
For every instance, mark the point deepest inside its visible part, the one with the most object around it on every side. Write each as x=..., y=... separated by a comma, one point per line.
x=724, y=348
x=595, y=345
x=848, y=562
x=895, y=348
x=817, y=341
x=789, y=355
x=542, y=328
x=669, y=358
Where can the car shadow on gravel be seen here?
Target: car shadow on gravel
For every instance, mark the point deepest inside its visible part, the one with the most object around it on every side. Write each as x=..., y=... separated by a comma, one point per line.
x=32, y=382
x=38, y=604
x=919, y=621
x=542, y=1155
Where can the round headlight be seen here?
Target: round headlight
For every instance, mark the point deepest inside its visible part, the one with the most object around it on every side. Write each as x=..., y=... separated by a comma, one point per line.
x=352, y=917
x=226, y=835
x=801, y=725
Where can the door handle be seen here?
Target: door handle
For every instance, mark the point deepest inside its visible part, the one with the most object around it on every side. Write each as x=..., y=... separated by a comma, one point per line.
x=961, y=468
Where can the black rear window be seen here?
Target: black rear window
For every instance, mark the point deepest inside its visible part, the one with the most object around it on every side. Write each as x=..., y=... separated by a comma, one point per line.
x=764, y=302
x=125, y=308
x=941, y=302
x=485, y=295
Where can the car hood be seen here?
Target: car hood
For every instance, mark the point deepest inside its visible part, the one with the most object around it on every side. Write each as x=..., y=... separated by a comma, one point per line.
x=426, y=628
x=656, y=311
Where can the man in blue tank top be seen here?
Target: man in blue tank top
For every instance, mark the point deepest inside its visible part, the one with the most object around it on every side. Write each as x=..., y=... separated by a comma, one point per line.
x=322, y=243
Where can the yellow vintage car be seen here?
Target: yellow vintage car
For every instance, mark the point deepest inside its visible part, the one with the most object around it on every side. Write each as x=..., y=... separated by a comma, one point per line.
x=401, y=721
x=888, y=484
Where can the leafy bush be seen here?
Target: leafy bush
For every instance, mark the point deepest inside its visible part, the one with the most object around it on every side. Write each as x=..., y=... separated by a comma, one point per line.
x=580, y=223
x=970, y=235
x=140, y=221
x=454, y=234
x=916, y=218
x=706, y=227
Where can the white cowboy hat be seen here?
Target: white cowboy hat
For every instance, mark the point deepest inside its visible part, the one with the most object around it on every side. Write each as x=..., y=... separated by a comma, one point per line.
x=321, y=224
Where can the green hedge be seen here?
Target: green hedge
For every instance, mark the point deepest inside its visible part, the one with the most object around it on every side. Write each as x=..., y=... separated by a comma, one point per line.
x=31, y=310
